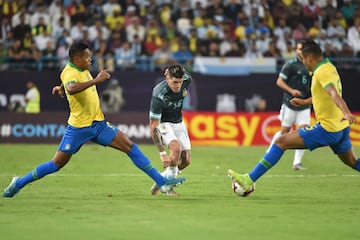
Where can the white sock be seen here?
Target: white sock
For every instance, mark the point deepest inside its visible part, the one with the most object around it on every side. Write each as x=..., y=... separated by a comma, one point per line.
x=298, y=156
x=170, y=172
x=276, y=136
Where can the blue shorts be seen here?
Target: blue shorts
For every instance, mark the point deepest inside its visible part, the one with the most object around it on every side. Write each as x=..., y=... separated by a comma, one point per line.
x=101, y=132
x=316, y=136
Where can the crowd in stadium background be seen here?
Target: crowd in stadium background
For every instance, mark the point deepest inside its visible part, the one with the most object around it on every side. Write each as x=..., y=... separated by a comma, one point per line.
x=146, y=35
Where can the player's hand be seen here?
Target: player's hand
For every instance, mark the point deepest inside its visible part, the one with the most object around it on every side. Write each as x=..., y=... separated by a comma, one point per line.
x=165, y=160
x=297, y=102
x=351, y=118
x=58, y=90
x=102, y=76
x=296, y=93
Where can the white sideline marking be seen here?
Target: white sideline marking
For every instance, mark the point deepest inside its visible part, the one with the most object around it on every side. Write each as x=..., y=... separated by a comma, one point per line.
x=141, y=174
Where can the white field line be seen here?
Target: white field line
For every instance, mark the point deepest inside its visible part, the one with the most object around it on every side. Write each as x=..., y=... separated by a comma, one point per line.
x=142, y=174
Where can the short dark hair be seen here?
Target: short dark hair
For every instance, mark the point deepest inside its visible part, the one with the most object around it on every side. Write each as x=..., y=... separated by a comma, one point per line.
x=77, y=49
x=310, y=47
x=176, y=71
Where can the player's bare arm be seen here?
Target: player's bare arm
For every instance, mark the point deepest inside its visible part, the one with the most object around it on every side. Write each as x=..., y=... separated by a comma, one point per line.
x=297, y=102
x=339, y=101
x=155, y=135
x=75, y=87
x=282, y=84
x=58, y=90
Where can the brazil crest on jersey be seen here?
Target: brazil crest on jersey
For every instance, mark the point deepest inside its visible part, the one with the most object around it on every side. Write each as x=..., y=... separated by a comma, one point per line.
x=167, y=105
x=85, y=105
x=296, y=76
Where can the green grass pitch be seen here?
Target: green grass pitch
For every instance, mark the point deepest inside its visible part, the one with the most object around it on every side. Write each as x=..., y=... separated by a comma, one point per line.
x=101, y=195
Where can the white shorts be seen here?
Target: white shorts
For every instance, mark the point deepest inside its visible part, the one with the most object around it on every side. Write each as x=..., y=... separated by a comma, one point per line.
x=289, y=117
x=175, y=131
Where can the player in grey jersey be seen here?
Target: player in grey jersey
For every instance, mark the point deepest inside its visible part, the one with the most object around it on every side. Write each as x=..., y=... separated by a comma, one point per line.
x=166, y=123
x=294, y=79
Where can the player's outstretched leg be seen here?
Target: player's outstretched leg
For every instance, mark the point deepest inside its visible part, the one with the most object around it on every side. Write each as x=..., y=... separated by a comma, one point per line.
x=18, y=183
x=143, y=163
x=243, y=179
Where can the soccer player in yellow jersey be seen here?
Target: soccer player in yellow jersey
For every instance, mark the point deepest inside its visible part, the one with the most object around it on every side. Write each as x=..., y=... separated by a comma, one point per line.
x=332, y=115
x=86, y=123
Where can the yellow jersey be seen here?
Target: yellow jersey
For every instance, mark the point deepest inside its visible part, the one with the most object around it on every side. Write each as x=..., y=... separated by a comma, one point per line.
x=326, y=111
x=85, y=105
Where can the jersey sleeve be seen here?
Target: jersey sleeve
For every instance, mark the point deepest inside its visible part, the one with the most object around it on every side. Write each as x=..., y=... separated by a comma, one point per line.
x=69, y=77
x=156, y=107
x=285, y=71
x=326, y=77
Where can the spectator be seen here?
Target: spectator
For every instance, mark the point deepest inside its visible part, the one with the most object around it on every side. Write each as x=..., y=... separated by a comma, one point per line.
x=329, y=51
x=353, y=37
x=294, y=12
x=252, y=52
x=17, y=56
x=55, y=8
x=232, y=9
x=272, y=50
x=163, y=56
x=62, y=14
x=183, y=23
x=235, y=50
x=170, y=32
x=8, y=9
x=135, y=28
x=348, y=11
x=40, y=27
x=314, y=31
x=310, y=12
x=289, y=52
x=299, y=32
x=76, y=11
x=77, y=31
x=208, y=30
x=184, y=56
x=32, y=98
x=20, y=29
x=98, y=30
x=193, y=41
x=110, y=7
x=62, y=53
x=49, y=58
x=125, y=57
x=322, y=40
x=42, y=40
x=4, y=28
x=95, y=11
x=334, y=28
x=33, y=55
x=214, y=49
x=130, y=13
x=40, y=13
x=15, y=20
x=262, y=42
x=329, y=9
x=115, y=18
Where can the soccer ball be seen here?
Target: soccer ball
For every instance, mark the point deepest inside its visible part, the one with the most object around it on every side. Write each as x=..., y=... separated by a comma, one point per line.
x=240, y=191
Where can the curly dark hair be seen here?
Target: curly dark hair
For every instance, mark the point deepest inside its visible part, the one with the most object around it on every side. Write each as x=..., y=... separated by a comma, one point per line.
x=176, y=71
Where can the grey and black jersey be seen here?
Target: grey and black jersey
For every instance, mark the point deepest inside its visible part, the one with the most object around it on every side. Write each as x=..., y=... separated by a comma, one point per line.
x=167, y=105
x=296, y=76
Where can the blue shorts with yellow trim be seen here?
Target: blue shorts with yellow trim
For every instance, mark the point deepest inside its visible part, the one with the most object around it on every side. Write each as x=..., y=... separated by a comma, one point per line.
x=316, y=136
x=101, y=132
